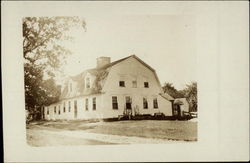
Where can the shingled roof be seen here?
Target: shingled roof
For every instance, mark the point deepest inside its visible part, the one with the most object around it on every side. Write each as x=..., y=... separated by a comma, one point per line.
x=101, y=74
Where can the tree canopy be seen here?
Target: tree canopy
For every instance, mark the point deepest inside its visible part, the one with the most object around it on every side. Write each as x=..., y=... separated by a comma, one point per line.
x=171, y=90
x=189, y=92
x=43, y=54
x=42, y=36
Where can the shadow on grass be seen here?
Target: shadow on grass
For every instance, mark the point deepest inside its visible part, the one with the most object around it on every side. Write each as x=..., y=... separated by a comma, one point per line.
x=63, y=125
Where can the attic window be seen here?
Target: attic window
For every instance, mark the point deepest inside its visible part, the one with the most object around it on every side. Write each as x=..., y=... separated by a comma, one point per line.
x=146, y=85
x=122, y=83
x=87, y=83
x=134, y=84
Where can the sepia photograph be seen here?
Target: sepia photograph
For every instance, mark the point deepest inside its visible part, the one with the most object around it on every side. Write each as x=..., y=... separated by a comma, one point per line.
x=125, y=81
x=102, y=80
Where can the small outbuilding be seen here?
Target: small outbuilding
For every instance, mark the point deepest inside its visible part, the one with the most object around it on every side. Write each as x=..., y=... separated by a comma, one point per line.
x=180, y=106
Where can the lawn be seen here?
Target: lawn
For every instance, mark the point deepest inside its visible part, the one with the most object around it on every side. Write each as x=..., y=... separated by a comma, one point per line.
x=174, y=130
x=160, y=129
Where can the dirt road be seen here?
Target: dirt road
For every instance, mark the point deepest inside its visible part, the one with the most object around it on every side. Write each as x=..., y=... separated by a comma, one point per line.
x=100, y=133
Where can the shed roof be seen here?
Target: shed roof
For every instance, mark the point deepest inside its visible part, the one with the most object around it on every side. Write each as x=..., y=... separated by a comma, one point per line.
x=167, y=96
x=180, y=101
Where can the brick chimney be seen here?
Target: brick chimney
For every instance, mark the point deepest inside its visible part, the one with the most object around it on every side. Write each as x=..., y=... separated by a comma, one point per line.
x=102, y=61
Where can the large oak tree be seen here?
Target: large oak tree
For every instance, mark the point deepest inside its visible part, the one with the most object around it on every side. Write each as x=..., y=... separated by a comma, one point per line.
x=43, y=54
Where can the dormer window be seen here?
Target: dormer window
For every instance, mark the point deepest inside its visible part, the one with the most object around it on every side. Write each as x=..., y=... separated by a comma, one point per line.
x=70, y=87
x=87, y=83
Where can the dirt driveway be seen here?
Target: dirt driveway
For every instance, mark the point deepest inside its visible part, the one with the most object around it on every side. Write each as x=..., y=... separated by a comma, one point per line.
x=99, y=133
x=38, y=138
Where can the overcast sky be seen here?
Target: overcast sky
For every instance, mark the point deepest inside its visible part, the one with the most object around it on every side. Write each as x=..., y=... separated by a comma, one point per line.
x=165, y=42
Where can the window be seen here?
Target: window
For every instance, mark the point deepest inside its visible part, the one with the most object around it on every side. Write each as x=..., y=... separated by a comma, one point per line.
x=94, y=103
x=55, y=109
x=134, y=84
x=87, y=83
x=145, y=103
x=146, y=85
x=114, y=102
x=75, y=104
x=86, y=104
x=47, y=110
x=59, y=111
x=122, y=83
x=69, y=106
x=64, y=109
x=155, y=103
x=75, y=109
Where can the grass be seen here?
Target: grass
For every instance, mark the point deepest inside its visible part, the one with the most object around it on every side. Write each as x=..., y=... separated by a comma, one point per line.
x=173, y=130
x=62, y=125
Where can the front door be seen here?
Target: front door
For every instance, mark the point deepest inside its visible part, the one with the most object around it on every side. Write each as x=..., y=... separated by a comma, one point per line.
x=128, y=102
x=178, y=110
x=75, y=109
x=128, y=106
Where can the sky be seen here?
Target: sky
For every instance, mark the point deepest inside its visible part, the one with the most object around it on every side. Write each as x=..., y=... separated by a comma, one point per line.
x=165, y=42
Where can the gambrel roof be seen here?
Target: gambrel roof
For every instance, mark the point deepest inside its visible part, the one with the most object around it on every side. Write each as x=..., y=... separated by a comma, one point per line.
x=100, y=75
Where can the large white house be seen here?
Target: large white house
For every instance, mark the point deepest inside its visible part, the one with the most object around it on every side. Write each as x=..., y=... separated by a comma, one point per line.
x=110, y=90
